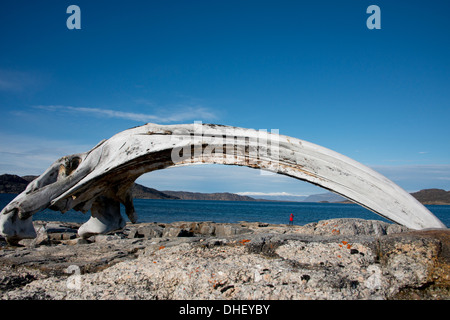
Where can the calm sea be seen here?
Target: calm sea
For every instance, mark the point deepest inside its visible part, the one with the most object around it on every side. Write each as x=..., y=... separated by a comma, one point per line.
x=233, y=211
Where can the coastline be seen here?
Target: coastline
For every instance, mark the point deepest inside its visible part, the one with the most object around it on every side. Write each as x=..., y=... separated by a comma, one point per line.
x=337, y=259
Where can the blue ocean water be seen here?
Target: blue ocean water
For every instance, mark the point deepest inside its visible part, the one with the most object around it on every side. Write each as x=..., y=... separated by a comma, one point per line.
x=233, y=211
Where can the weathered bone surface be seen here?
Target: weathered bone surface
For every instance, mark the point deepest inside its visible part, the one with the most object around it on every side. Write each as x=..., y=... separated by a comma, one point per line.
x=100, y=179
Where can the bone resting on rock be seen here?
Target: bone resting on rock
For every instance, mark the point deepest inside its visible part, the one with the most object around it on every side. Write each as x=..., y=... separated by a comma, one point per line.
x=100, y=179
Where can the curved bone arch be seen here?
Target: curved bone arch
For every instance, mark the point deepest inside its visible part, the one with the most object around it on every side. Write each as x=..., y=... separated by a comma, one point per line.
x=100, y=179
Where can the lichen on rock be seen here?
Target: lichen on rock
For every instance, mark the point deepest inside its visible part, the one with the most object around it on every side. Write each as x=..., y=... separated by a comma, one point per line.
x=249, y=261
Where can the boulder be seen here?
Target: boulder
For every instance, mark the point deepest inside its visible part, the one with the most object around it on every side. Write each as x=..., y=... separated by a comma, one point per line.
x=225, y=230
x=342, y=226
x=149, y=231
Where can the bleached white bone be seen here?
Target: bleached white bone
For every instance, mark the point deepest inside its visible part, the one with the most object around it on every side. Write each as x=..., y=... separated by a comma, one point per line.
x=101, y=178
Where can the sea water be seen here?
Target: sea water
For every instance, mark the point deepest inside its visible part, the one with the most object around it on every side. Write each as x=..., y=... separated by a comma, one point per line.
x=167, y=211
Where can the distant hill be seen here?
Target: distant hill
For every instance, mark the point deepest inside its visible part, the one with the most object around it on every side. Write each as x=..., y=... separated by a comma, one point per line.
x=12, y=184
x=426, y=196
x=141, y=192
x=15, y=184
x=432, y=196
x=325, y=197
x=277, y=198
x=223, y=196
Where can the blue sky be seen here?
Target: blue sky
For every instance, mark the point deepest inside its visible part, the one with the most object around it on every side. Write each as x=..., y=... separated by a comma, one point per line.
x=311, y=69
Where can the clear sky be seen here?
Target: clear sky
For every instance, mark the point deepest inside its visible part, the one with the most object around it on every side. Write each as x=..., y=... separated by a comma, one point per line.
x=311, y=69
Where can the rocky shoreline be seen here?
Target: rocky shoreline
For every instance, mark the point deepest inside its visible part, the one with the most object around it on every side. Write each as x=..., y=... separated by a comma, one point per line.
x=338, y=259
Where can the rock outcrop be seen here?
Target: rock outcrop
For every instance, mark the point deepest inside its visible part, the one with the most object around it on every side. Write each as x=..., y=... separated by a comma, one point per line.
x=333, y=259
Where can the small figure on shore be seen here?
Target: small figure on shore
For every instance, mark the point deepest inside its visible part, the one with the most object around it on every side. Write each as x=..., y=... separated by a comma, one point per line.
x=291, y=219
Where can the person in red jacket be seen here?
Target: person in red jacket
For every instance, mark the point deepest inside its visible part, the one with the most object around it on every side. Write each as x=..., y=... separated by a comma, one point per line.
x=291, y=219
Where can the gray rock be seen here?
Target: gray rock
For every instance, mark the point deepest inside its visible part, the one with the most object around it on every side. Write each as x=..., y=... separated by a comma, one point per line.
x=149, y=231
x=225, y=230
x=363, y=261
x=206, y=229
x=177, y=232
x=351, y=227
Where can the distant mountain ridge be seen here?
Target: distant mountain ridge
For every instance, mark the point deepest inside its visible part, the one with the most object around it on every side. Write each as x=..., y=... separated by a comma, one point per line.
x=432, y=196
x=325, y=197
x=12, y=184
x=142, y=192
x=222, y=196
x=15, y=184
